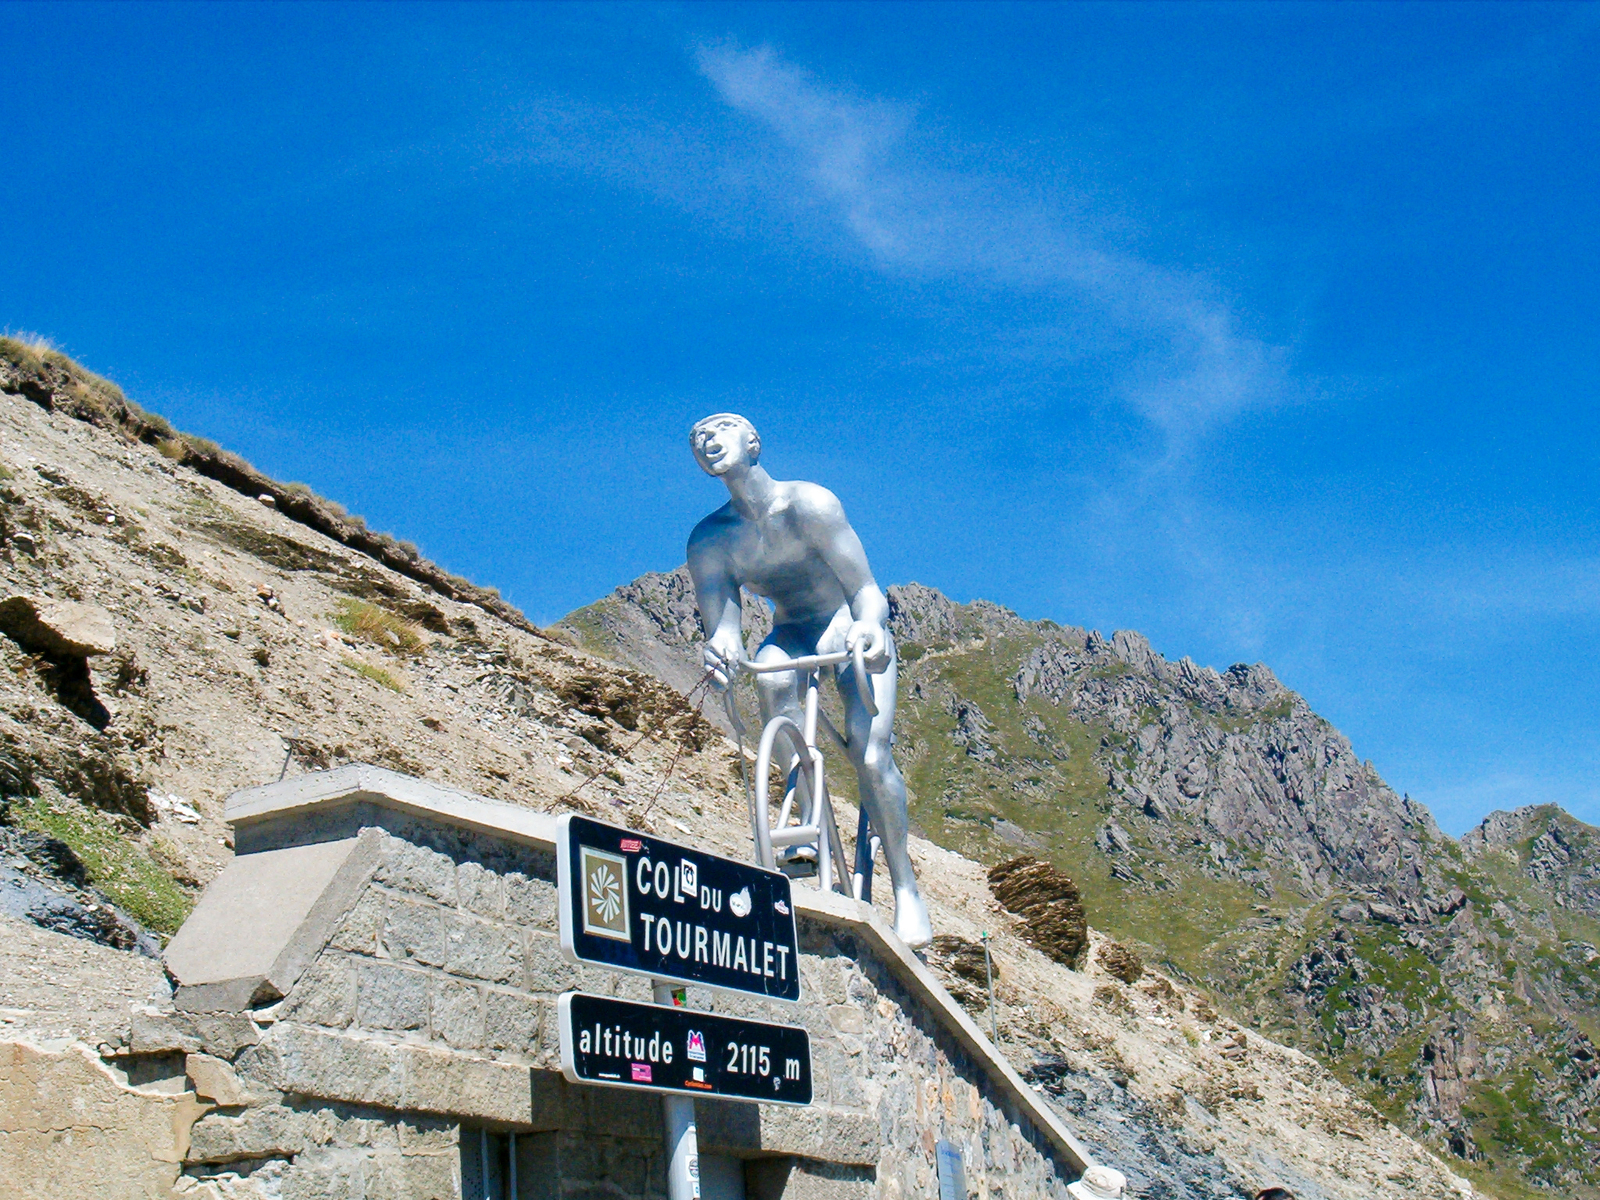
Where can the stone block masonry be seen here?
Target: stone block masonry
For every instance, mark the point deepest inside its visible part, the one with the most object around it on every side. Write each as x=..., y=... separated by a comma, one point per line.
x=413, y=997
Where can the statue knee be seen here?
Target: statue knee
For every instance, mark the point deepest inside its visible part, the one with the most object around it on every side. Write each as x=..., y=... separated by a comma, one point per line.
x=777, y=688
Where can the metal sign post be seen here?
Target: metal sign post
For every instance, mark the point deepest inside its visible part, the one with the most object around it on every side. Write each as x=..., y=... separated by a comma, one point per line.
x=988, y=984
x=952, y=1171
x=677, y=1120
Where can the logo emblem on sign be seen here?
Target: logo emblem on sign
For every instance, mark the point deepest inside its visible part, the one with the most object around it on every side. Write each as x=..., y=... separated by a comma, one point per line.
x=697, y=1045
x=605, y=893
x=739, y=903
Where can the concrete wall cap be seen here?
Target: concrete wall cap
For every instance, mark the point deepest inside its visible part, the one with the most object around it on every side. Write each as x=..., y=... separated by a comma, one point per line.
x=359, y=782
x=1099, y=1183
x=261, y=922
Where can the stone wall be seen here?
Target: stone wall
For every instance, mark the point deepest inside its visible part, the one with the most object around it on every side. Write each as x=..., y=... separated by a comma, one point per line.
x=425, y=1024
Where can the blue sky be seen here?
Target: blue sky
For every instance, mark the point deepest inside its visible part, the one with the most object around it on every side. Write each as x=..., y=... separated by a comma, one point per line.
x=1269, y=331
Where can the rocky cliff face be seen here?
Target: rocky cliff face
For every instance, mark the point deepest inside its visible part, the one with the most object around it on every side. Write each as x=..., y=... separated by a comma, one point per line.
x=1216, y=821
x=1559, y=856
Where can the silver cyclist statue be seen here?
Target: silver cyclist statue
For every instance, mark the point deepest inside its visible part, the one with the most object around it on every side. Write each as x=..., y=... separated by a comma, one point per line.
x=789, y=542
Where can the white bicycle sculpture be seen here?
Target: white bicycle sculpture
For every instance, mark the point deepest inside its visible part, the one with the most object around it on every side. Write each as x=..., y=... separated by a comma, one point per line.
x=805, y=832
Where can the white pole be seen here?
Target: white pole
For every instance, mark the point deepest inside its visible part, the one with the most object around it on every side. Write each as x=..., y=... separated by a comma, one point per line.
x=988, y=981
x=683, y=1145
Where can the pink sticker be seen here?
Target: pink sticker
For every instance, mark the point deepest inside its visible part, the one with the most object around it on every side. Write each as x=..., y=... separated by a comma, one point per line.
x=641, y=1072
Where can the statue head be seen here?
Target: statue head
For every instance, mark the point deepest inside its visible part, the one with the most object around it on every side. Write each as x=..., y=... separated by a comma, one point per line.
x=725, y=442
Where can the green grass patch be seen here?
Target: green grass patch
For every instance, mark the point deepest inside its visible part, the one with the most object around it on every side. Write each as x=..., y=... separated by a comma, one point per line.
x=379, y=627
x=1063, y=800
x=115, y=864
x=377, y=674
x=588, y=627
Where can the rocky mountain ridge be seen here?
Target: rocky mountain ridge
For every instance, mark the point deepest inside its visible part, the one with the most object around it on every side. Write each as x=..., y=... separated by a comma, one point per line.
x=1215, y=820
x=249, y=644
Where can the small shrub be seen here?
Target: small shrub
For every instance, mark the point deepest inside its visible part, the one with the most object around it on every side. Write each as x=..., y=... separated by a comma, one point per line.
x=1110, y=996
x=379, y=626
x=377, y=674
x=1120, y=962
x=158, y=424
x=97, y=385
x=25, y=350
x=172, y=448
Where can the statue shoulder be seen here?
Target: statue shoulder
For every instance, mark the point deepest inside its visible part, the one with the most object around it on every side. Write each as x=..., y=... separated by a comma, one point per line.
x=713, y=529
x=815, y=502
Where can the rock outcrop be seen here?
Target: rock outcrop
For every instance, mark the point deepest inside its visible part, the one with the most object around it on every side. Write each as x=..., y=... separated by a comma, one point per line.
x=58, y=628
x=1557, y=854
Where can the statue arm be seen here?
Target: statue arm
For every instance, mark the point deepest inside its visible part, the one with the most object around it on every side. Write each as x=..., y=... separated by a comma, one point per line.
x=843, y=552
x=716, y=594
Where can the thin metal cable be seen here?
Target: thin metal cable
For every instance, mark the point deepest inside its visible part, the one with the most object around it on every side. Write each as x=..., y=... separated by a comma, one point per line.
x=692, y=704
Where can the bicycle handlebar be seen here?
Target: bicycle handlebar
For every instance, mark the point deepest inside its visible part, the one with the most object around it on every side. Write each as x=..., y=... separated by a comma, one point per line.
x=808, y=662
x=812, y=662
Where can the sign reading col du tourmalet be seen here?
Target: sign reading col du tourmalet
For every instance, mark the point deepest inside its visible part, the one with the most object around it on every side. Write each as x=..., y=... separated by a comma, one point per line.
x=647, y=906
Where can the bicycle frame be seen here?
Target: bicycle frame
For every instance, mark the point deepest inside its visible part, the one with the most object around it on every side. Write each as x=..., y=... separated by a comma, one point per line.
x=807, y=780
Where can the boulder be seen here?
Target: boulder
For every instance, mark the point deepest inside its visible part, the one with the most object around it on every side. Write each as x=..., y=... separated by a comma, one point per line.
x=59, y=628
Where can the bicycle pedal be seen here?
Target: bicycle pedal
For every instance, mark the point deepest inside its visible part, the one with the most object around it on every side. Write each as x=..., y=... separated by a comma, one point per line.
x=799, y=862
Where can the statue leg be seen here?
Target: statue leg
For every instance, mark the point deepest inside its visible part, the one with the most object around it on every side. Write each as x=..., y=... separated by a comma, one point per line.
x=779, y=692
x=883, y=793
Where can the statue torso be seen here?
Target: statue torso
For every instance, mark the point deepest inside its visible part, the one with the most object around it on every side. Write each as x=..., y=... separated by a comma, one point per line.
x=774, y=556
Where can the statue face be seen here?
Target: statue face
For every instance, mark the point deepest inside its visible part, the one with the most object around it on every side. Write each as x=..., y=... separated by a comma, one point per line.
x=725, y=442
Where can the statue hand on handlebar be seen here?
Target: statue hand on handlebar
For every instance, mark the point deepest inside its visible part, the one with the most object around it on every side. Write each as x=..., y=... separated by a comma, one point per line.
x=722, y=653
x=875, y=642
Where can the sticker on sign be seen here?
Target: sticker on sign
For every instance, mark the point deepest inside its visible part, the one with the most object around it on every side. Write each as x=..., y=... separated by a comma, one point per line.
x=652, y=907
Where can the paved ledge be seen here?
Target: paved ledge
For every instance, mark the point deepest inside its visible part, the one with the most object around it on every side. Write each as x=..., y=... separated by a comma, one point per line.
x=271, y=819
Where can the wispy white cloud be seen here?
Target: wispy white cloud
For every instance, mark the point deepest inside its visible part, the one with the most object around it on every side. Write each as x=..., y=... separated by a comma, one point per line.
x=1185, y=364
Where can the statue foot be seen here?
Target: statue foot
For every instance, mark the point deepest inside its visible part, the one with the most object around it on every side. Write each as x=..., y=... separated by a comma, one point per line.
x=911, y=922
